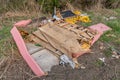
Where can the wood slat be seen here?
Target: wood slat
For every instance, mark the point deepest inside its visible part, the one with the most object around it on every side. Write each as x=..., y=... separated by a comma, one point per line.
x=39, y=35
x=61, y=38
x=45, y=45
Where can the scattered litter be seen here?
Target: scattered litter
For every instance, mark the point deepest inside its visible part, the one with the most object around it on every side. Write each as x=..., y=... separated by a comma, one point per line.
x=65, y=60
x=102, y=59
x=110, y=18
x=82, y=67
x=116, y=56
x=101, y=46
x=74, y=17
x=85, y=14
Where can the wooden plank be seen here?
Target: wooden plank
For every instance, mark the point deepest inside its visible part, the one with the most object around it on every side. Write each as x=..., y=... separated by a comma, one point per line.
x=39, y=35
x=32, y=48
x=45, y=45
x=63, y=38
x=54, y=44
x=45, y=59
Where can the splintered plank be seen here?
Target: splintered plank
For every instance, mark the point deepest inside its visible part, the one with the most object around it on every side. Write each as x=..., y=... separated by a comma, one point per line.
x=53, y=42
x=67, y=25
x=44, y=44
x=80, y=31
x=39, y=35
x=61, y=38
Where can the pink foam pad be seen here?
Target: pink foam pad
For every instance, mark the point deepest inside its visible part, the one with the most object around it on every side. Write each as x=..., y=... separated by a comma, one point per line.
x=24, y=52
x=23, y=23
x=100, y=28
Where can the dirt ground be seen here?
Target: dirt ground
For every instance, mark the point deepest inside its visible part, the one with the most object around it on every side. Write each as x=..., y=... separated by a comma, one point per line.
x=15, y=68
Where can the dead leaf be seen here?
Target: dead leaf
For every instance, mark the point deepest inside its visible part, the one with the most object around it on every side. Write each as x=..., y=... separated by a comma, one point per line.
x=101, y=46
x=116, y=56
x=114, y=52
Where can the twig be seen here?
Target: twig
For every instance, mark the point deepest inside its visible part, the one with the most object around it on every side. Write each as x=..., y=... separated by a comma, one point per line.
x=5, y=70
x=42, y=5
x=116, y=72
x=2, y=61
x=34, y=77
x=25, y=72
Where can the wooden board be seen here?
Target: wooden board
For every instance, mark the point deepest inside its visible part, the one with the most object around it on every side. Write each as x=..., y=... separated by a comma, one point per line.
x=62, y=39
x=53, y=42
x=32, y=48
x=81, y=31
x=45, y=59
x=44, y=44
x=39, y=35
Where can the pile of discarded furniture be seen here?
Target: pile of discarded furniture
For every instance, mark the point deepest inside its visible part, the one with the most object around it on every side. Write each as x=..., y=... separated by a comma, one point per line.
x=54, y=42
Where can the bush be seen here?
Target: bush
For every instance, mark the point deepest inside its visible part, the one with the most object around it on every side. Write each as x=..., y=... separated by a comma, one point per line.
x=48, y=5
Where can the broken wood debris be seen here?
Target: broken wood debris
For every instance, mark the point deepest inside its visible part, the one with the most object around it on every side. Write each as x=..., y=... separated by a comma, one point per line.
x=63, y=38
x=55, y=37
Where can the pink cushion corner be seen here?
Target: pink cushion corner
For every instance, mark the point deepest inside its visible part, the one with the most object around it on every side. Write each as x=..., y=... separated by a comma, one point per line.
x=23, y=23
x=100, y=27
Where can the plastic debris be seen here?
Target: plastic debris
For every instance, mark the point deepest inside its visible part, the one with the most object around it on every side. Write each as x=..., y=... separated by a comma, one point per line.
x=73, y=17
x=55, y=17
x=65, y=60
x=116, y=56
x=112, y=17
x=82, y=67
x=102, y=59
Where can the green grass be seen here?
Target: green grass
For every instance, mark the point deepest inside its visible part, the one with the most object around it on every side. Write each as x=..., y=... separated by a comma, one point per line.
x=115, y=25
x=6, y=40
x=108, y=52
x=99, y=63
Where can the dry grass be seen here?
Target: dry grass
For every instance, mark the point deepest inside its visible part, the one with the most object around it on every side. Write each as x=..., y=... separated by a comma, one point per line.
x=12, y=65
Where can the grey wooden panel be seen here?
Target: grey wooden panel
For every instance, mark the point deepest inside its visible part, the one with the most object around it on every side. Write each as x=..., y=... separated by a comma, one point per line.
x=45, y=59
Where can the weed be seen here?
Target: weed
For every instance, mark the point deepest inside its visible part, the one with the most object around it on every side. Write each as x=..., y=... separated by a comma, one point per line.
x=99, y=63
x=37, y=45
x=107, y=52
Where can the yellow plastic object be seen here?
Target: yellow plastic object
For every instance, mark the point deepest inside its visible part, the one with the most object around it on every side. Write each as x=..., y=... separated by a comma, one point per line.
x=85, y=45
x=77, y=12
x=70, y=20
x=77, y=17
x=85, y=19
